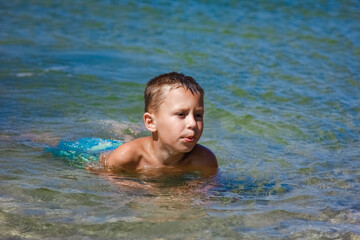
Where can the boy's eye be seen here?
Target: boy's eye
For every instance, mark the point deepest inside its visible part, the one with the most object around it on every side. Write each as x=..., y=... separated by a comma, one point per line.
x=180, y=114
x=199, y=116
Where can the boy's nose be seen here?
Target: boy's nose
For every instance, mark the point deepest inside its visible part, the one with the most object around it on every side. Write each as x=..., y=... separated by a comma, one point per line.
x=191, y=122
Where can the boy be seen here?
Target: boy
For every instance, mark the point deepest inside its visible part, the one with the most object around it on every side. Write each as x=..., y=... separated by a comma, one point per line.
x=174, y=109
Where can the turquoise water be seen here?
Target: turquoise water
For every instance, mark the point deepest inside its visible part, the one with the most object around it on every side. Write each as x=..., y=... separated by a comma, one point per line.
x=282, y=87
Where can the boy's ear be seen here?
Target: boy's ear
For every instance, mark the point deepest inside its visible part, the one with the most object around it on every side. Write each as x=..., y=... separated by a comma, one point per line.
x=149, y=121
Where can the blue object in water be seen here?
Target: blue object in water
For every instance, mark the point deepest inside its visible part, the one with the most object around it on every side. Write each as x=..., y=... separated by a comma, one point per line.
x=84, y=150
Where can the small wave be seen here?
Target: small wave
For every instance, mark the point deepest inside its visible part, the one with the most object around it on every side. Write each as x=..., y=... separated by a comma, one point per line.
x=24, y=74
x=123, y=130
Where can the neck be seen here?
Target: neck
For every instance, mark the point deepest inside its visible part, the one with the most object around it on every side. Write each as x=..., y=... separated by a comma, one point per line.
x=165, y=156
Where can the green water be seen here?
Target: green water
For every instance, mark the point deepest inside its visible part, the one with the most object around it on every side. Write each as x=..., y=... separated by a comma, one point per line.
x=281, y=81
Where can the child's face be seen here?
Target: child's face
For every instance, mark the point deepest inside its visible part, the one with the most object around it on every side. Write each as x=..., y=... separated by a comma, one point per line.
x=179, y=120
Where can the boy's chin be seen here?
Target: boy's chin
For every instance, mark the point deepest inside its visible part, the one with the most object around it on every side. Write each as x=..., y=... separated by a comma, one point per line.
x=187, y=148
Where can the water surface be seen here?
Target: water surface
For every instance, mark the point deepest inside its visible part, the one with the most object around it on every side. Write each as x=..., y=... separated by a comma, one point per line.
x=282, y=115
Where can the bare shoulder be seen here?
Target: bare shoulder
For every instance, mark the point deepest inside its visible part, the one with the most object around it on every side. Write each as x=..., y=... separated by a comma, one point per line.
x=127, y=155
x=203, y=157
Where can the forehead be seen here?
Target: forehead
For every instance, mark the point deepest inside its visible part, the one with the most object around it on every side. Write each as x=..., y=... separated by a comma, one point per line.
x=182, y=97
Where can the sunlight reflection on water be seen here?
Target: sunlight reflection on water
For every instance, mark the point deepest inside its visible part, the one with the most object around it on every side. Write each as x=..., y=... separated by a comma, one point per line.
x=282, y=115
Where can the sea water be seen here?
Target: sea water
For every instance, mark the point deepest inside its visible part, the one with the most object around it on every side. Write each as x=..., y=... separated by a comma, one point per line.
x=282, y=115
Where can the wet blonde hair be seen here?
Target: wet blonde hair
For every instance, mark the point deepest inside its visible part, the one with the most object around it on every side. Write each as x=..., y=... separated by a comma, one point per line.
x=157, y=88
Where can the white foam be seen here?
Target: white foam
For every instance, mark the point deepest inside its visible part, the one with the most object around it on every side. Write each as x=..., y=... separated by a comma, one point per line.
x=123, y=130
x=24, y=74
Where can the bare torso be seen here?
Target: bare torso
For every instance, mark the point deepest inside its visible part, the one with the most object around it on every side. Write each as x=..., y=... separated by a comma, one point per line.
x=137, y=156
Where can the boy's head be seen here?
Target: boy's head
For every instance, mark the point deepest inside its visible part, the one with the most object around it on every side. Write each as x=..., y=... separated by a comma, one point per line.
x=157, y=88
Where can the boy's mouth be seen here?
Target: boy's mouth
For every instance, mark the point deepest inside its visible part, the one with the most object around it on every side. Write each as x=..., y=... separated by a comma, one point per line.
x=189, y=139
